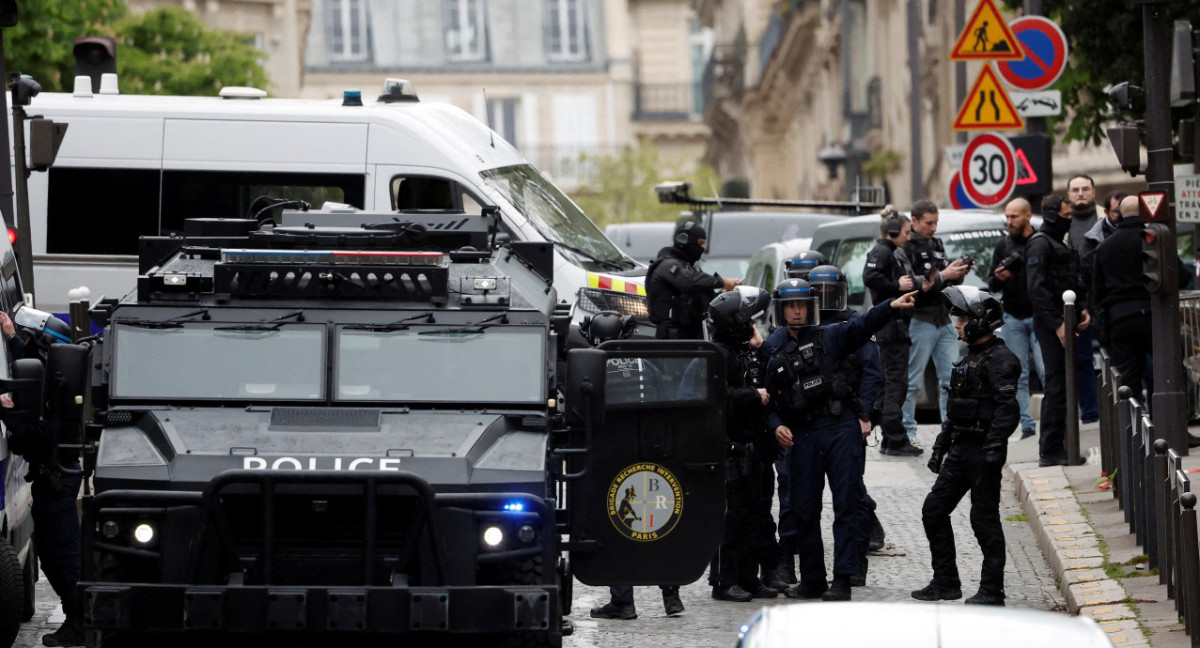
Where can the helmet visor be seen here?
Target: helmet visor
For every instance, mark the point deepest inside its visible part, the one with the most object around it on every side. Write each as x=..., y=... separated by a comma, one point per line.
x=830, y=297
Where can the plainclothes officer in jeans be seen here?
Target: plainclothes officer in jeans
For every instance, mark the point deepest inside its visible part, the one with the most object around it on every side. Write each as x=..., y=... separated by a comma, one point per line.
x=1051, y=268
x=889, y=274
x=1007, y=278
x=639, y=383
x=749, y=538
x=677, y=291
x=56, y=483
x=982, y=414
x=930, y=330
x=813, y=379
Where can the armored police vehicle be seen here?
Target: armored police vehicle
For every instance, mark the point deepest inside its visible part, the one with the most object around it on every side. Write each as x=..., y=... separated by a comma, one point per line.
x=376, y=429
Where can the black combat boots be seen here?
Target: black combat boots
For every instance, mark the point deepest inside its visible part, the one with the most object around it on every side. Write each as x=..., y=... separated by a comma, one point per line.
x=935, y=592
x=839, y=590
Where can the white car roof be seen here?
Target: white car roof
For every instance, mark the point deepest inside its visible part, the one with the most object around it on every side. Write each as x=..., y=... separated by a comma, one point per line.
x=917, y=625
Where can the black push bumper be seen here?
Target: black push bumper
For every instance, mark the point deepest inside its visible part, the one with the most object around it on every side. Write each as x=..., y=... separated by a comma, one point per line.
x=205, y=583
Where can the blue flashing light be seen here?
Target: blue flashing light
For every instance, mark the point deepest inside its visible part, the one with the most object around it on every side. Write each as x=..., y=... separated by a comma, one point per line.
x=352, y=98
x=514, y=507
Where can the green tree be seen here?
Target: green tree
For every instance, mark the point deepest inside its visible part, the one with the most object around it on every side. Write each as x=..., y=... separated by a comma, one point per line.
x=620, y=188
x=169, y=51
x=163, y=51
x=1106, y=47
x=42, y=44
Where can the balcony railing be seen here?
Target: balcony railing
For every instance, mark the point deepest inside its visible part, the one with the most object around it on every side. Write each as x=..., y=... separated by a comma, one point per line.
x=724, y=74
x=667, y=101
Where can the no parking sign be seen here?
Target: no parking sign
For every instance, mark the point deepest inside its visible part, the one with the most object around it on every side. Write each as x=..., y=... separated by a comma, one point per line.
x=1045, y=48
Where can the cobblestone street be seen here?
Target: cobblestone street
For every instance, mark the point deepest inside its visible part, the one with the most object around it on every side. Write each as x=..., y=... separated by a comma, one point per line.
x=899, y=486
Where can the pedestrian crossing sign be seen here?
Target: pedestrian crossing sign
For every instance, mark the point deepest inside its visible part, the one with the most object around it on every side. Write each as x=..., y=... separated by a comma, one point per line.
x=987, y=106
x=987, y=37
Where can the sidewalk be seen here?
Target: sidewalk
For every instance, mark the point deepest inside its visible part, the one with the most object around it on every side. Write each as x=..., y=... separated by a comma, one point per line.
x=1086, y=540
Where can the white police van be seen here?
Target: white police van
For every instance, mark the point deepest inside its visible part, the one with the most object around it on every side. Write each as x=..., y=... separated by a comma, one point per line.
x=18, y=561
x=140, y=165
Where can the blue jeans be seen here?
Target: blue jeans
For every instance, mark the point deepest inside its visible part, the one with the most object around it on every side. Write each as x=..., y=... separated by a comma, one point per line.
x=1019, y=338
x=1085, y=377
x=940, y=343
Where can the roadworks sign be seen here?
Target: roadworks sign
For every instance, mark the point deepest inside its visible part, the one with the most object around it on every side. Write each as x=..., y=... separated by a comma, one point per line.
x=987, y=38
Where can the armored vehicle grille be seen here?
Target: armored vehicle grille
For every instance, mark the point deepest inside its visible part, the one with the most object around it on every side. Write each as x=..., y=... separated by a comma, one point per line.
x=595, y=300
x=300, y=419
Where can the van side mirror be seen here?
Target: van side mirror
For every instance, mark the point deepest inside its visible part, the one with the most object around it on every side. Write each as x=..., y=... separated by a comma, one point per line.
x=25, y=388
x=584, y=395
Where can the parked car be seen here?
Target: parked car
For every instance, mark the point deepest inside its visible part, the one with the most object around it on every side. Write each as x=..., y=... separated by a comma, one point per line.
x=917, y=625
x=641, y=241
x=733, y=236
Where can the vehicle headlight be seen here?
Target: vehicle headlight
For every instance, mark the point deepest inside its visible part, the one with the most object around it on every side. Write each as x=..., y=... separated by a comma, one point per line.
x=144, y=533
x=493, y=536
x=110, y=529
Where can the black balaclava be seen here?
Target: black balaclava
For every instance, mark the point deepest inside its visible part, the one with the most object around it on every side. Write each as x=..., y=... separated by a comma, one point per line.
x=692, y=250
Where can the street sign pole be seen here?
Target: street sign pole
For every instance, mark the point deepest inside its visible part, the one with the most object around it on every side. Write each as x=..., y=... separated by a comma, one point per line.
x=1169, y=402
x=1037, y=125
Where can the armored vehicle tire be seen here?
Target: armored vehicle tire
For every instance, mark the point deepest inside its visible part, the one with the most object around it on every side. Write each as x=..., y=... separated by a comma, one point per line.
x=527, y=572
x=11, y=594
x=29, y=577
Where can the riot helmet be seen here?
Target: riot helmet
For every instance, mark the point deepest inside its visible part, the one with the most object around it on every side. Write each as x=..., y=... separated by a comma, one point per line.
x=983, y=311
x=607, y=325
x=731, y=314
x=829, y=284
x=789, y=294
x=803, y=263
x=687, y=240
x=44, y=328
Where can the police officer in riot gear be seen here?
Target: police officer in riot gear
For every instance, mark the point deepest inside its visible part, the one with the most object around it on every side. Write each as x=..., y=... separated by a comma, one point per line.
x=888, y=273
x=829, y=285
x=797, y=268
x=982, y=412
x=803, y=263
x=626, y=383
x=749, y=539
x=813, y=379
x=677, y=291
x=55, y=474
x=1051, y=268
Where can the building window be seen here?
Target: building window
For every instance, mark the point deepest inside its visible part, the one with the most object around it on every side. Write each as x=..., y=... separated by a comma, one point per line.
x=502, y=118
x=566, y=30
x=348, y=30
x=466, y=30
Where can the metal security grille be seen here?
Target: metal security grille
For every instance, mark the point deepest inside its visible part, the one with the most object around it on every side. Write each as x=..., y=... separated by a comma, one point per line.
x=595, y=300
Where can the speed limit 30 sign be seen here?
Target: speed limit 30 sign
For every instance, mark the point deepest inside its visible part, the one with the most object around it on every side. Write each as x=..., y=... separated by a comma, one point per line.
x=988, y=170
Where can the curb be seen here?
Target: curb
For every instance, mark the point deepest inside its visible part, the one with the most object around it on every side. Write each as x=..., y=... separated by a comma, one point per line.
x=1072, y=548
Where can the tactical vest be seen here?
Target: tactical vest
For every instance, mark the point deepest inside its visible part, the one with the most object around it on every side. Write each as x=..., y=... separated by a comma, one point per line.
x=970, y=405
x=746, y=371
x=814, y=383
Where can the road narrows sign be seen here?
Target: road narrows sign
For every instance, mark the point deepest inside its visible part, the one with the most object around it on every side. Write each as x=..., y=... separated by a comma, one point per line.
x=987, y=37
x=987, y=105
x=988, y=170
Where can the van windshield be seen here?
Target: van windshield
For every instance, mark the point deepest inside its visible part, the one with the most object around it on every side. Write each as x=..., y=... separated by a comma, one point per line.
x=550, y=211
